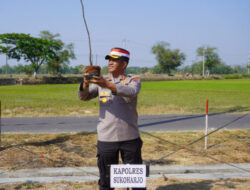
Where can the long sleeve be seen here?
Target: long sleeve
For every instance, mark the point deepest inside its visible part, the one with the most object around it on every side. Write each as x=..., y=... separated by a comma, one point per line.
x=129, y=90
x=88, y=93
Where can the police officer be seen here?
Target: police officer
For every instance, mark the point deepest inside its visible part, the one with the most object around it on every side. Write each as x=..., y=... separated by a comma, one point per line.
x=117, y=128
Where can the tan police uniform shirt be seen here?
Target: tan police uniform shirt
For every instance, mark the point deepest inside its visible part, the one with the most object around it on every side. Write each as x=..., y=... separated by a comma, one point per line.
x=118, y=115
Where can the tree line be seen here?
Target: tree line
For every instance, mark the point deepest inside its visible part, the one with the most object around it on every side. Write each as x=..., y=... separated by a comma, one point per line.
x=170, y=60
x=196, y=68
x=48, y=54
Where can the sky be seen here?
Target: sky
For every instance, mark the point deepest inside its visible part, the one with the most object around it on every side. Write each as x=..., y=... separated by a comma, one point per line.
x=136, y=25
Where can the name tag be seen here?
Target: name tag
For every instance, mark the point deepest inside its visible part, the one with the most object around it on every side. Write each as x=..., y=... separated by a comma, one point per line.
x=127, y=176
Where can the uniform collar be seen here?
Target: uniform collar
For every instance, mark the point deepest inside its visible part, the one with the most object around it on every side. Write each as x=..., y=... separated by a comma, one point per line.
x=118, y=79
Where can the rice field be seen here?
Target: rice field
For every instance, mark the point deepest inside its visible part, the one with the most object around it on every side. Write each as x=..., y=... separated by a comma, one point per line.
x=160, y=97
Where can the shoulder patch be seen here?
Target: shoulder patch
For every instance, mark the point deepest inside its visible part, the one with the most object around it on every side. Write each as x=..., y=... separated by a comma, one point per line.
x=136, y=79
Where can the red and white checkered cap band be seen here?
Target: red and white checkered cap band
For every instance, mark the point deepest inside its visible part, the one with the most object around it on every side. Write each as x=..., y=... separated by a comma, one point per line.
x=120, y=52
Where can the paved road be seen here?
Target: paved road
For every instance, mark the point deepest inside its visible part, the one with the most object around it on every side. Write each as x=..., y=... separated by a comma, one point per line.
x=146, y=123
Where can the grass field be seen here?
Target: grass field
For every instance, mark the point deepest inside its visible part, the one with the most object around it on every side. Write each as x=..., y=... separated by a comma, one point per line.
x=164, y=97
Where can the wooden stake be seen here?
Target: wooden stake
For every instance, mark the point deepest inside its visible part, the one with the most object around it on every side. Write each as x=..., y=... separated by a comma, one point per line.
x=206, y=124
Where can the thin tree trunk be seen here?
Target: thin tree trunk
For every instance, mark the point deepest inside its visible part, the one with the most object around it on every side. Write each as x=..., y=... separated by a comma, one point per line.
x=35, y=75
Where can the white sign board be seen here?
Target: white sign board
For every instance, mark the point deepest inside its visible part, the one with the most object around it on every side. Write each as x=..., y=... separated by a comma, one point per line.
x=128, y=175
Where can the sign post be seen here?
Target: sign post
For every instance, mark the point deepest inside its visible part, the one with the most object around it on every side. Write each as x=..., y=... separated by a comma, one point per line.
x=126, y=176
x=206, y=124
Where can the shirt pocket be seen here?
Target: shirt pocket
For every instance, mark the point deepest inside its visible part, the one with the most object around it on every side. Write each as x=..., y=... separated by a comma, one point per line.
x=105, y=97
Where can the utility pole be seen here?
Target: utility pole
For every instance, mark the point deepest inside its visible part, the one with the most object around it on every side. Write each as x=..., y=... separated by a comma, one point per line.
x=248, y=64
x=203, y=60
x=6, y=69
x=124, y=43
x=96, y=56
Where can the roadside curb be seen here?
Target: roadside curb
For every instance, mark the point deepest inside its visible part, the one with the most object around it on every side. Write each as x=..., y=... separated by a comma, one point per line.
x=47, y=175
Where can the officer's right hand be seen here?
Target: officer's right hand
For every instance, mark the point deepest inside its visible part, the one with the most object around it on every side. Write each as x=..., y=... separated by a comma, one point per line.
x=85, y=80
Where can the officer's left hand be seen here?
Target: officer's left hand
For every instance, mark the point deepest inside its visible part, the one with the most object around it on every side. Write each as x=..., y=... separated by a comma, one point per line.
x=99, y=80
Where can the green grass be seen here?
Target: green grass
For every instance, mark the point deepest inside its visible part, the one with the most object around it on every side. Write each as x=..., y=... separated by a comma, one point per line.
x=42, y=100
x=190, y=96
x=162, y=97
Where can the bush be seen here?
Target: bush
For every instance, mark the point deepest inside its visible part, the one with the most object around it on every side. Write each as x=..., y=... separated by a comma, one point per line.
x=246, y=75
x=236, y=76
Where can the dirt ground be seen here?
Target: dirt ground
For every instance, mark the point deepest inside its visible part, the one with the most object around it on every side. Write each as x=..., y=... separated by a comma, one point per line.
x=20, y=151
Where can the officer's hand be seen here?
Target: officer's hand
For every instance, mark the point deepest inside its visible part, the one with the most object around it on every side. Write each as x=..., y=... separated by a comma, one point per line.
x=99, y=80
x=86, y=81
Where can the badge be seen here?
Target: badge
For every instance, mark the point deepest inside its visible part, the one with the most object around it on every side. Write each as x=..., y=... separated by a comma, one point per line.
x=104, y=100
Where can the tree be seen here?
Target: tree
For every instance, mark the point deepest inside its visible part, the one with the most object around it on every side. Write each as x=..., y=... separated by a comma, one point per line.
x=27, y=69
x=197, y=68
x=222, y=68
x=239, y=69
x=211, y=57
x=6, y=69
x=18, y=69
x=105, y=70
x=31, y=49
x=65, y=53
x=157, y=70
x=77, y=69
x=186, y=70
x=144, y=70
x=168, y=59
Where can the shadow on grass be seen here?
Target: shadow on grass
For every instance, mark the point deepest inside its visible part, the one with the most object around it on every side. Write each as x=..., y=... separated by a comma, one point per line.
x=240, y=138
x=181, y=118
x=204, y=185
x=57, y=140
x=159, y=162
x=237, y=109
